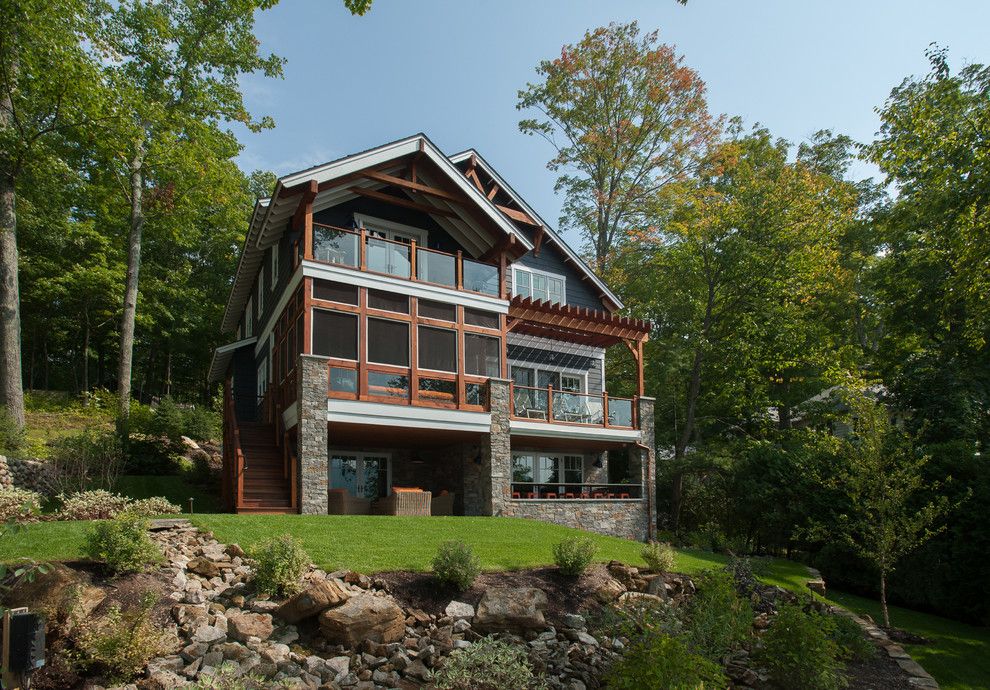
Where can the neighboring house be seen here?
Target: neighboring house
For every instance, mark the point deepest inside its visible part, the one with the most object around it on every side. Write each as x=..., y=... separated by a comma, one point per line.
x=403, y=319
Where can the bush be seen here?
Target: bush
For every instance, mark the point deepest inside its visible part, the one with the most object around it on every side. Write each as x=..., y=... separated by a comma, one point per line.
x=718, y=618
x=82, y=461
x=488, y=664
x=574, y=555
x=635, y=618
x=229, y=677
x=279, y=564
x=799, y=652
x=152, y=506
x=12, y=438
x=120, y=644
x=659, y=556
x=172, y=421
x=661, y=661
x=455, y=565
x=18, y=505
x=152, y=455
x=123, y=544
x=92, y=505
x=853, y=643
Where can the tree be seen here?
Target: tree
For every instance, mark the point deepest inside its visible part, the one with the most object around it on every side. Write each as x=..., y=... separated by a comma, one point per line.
x=177, y=75
x=50, y=87
x=626, y=118
x=884, y=482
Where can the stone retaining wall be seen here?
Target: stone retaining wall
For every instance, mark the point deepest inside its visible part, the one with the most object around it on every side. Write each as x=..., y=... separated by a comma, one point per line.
x=625, y=518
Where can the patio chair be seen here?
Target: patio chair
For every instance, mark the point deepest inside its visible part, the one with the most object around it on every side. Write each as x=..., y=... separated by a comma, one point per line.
x=404, y=503
x=442, y=504
x=341, y=502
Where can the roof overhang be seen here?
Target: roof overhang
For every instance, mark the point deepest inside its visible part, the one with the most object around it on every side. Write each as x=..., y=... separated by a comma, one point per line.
x=222, y=356
x=551, y=233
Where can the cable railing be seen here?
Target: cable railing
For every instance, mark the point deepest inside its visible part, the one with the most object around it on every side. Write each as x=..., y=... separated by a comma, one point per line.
x=589, y=409
x=366, y=251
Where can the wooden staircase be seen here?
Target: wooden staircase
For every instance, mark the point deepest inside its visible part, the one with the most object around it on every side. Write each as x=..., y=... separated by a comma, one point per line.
x=267, y=489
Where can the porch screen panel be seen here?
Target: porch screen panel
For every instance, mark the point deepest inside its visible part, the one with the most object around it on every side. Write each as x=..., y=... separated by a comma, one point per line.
x=335, y=334
x=482, y=355
x=388, y=342
x=335, y=292
x=437, y=349
x=429, y=309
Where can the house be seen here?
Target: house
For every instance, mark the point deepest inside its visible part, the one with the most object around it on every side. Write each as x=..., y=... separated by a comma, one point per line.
x=402, y=320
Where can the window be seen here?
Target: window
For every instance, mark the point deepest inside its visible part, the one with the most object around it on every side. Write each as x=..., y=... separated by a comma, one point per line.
x=477, y=317
x=548, y=469
x=388, y=342
x=571, y=383
x=388, y=301
x=262, y=381
x=335, y=292
x=261, y=292
x=482, y=355
x=437, y=310
x=248, y=319
x=541, y=378
x=437, y=349
x=335, y=334
x=533, y=468
x=389, y=230
x=573, y=469
x=522, y=468
x=540, y=285
x=274, y=267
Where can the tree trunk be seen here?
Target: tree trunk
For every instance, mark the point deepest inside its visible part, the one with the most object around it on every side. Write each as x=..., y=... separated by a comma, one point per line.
x=130, y=292
x=168, y=373
x=883, y=599
x=85, y=357
x=11, y=385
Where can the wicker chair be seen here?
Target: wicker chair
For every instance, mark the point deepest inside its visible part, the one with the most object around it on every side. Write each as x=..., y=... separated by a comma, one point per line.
x=403, y=503
x=442, y=504
x=341, y=502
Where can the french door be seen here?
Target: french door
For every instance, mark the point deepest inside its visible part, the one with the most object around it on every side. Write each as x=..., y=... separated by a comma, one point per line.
x=364, y=475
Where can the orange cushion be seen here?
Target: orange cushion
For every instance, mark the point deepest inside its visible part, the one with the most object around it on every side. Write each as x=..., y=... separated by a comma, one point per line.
x=400, y=489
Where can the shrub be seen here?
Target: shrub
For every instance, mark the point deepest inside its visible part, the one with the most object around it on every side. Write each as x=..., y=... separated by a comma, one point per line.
x=120, y=644
x=853, y=643
x=123, y=544
x=636, y=617
x=152, y=455
x=659, y=556
x=661, y=661
x=741, y=570
x=799, y=652
x=155, y=505
x=18, y=505
x=12, y=438
x=92, y=505
x=574, y=555
x=229, y=676
x=279, y=564
x=172, y=421
x=488, y=664
x=718, y=618
x=82, y=461
x=455, y=565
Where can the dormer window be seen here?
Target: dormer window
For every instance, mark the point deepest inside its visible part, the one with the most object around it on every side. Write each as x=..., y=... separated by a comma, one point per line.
x=547, y=287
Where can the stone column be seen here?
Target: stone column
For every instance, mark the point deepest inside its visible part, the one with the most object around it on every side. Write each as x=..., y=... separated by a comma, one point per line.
x=496, y=452
x=647, y=464
x=313, y=474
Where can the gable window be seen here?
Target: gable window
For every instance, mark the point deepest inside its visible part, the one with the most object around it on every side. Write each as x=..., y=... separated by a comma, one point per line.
x=389, y=230
x=547, y=287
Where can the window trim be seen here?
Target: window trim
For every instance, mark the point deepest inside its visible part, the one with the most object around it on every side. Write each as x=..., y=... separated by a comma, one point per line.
x=367, y=343
x=391, y=227
x=563, y=279
x=357, y=333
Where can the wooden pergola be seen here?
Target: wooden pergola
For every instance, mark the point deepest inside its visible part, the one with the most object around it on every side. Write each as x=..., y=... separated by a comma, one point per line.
x=580, y=325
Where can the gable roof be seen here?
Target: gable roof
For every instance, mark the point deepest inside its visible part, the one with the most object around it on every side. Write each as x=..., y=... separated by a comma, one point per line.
x=553, y=234
x=271, y=216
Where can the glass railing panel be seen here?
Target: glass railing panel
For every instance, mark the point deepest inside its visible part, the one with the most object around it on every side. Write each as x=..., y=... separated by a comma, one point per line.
x=577, y=408
x=432, y=267
x=479, y=277
x=335, y=246
x=620, y=412
x=530, y=403
x=391, y=258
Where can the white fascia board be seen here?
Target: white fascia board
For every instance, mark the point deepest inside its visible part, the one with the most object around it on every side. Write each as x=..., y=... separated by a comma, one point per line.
x=406, y=416
x=572, y=431
x=438, y=293
x=457, y=158
x=222, y=355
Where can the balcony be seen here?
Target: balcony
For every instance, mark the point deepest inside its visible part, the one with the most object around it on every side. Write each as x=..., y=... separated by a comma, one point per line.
x=364, y=251
x=564, y=407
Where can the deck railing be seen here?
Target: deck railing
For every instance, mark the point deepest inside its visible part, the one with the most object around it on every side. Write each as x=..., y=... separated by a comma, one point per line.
x=566, y=491
x=565, y=407
x=365, y=251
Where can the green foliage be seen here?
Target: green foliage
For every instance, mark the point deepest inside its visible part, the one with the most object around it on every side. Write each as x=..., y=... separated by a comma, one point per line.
x=172, y=421
x=799, y=652
x=851, y=640
x=123, y=544
x=12, y=439
x=659, y=556
x=18, y=505
x=92, y=505
x=89, y=459
x=574, y=555
x=718, y=618
x=120, y=644
x=230, y=677
x=661, y=662
x=455, y=565
x=488, y=664
x=279, y=565
x=155, y=505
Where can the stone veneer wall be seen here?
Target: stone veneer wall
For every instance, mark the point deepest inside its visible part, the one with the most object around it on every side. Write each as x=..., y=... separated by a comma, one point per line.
x=618, y=518
x=314, y=468
x=487, y=487
x=648, y=462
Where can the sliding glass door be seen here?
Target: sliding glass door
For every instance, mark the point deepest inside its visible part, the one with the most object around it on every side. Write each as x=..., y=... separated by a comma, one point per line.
x=365, y=475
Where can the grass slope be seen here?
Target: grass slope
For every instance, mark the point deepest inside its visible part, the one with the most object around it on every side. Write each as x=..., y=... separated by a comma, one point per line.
x=176, y=488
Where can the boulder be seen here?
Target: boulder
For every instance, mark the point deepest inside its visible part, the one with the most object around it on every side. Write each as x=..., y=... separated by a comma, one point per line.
x=459, y=610
x=817, y=586
x=363, y=617
x=61, y=593
x=322, y=595
x=608, y=590
x=241, y=626
x=204, y=567
x=511, y=609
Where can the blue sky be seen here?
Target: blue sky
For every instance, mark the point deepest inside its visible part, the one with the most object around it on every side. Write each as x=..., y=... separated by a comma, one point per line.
x=452, y=68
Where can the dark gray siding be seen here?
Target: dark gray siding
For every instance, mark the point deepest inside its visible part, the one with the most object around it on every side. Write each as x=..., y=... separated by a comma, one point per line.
x=579, y=292
x=245, y=385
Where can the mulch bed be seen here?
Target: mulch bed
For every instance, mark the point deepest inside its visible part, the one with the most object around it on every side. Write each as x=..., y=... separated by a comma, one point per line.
x=880, y=673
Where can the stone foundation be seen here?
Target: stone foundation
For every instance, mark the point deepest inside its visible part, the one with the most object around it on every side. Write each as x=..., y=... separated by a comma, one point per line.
x=314, y=477
x=618, y=518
